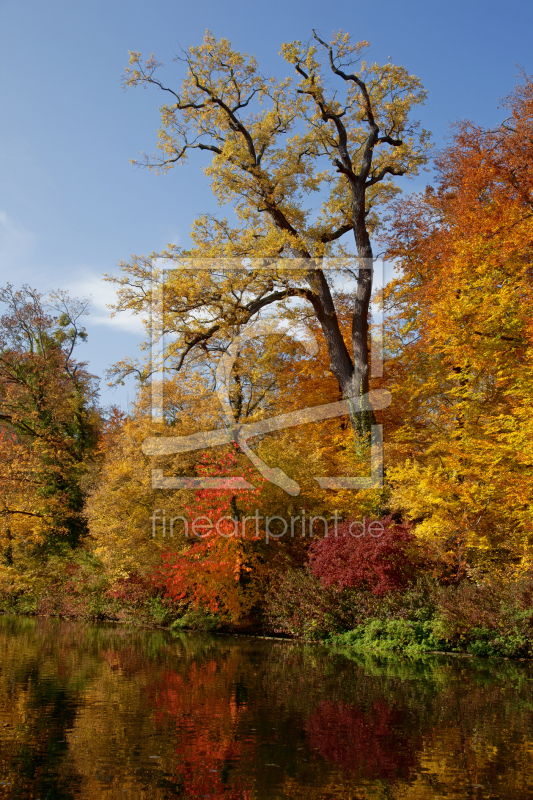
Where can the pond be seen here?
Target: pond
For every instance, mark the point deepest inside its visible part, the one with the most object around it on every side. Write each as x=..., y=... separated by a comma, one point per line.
x=103, y=711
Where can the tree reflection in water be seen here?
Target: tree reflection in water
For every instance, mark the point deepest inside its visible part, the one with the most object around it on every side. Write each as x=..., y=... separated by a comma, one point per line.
x=98, y=711
x=373, y=743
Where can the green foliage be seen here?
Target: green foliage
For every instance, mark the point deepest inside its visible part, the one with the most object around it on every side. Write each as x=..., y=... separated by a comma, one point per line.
x=486, y=642
x=159, y=609
x=389, y=636
x=490, y=619
x=196, y=619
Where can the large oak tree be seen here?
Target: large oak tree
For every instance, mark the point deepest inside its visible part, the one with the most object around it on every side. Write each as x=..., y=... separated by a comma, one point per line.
x=338, y=136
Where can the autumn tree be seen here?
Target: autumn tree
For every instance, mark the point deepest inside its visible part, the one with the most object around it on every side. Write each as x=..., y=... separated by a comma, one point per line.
x=221, y=571
x=218, y=569
x=339, y=136
x=48, y=420
x=460, y=341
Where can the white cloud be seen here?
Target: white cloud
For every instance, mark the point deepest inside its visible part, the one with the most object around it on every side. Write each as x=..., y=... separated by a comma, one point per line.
x=102, y=294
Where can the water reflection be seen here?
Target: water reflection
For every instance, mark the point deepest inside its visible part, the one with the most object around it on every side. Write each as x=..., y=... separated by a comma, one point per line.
x=375, y=742
x=101, y=711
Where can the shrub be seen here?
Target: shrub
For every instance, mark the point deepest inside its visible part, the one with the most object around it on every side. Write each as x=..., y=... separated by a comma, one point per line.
x=297, y=605
x=492, y=617
x=486, y=642
x=379, y=562
x=196, y=619
x=387, y=636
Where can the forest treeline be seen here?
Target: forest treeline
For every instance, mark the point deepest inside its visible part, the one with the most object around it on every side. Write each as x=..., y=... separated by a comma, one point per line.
x=440, y=556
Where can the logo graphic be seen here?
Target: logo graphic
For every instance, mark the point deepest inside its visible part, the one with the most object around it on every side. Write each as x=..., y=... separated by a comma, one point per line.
x=243, y=433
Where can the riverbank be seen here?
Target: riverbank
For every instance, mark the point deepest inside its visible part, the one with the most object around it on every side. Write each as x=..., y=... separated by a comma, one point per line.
x=393, y=625
x=490, y=617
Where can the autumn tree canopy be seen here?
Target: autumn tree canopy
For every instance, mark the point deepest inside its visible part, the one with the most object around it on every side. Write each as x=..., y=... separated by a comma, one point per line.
x=48, y=420
x=461, y=345
x=336, y=137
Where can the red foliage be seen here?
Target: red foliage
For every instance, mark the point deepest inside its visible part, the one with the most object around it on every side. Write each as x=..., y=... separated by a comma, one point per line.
x=209, y=571
x=133, y=590
x=112, y=427
x=378, y=559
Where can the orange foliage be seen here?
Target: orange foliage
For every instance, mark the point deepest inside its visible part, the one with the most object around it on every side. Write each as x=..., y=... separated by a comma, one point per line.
x=462, y=344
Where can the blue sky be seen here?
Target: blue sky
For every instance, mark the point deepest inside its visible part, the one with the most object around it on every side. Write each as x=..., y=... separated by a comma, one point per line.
x=72, y=205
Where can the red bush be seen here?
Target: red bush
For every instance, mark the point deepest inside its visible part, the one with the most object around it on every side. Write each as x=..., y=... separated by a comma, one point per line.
x=378, y=558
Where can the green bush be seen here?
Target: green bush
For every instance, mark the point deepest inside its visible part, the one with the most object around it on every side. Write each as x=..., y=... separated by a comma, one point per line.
x=159, y=610
x=196, y=620
x=487, y=642
x=393, y=635
x=423, y=636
